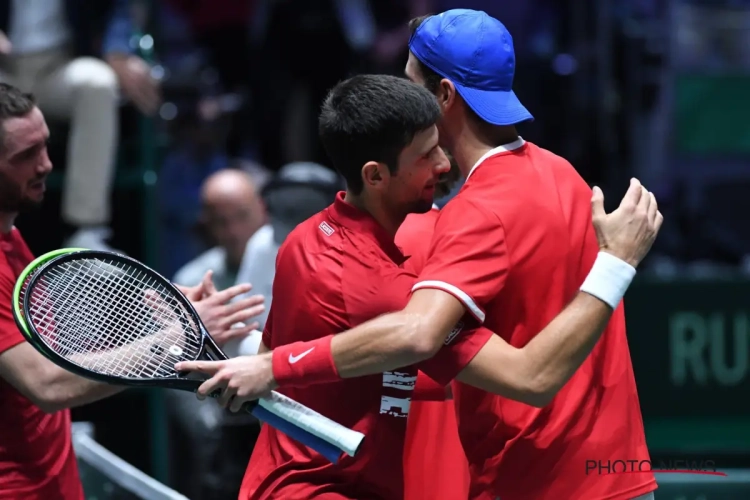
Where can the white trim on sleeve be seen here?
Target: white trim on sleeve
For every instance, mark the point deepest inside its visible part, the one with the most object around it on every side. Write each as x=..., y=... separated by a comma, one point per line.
x=462, y=296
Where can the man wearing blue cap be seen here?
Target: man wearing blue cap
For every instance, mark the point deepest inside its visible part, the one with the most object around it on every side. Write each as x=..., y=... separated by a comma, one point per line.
x=510, y=251
x=506, y=221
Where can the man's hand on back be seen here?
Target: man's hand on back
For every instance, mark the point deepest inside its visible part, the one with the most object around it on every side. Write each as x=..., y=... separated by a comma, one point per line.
x=628, y=232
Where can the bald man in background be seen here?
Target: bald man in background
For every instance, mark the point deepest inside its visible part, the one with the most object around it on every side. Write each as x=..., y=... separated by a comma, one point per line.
x=231, y=213
x=219, y=444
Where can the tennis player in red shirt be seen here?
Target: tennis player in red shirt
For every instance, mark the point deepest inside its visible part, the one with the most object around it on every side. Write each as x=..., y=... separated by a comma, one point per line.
x=37, y=461
x=341, y=267
x=528, y=207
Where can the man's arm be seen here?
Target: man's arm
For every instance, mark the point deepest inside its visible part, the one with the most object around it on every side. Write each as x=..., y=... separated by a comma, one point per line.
x=546, y=362
x=531, y=374
x=52, y=388
x=535, y=373
x=418, y=331
x=47, y=385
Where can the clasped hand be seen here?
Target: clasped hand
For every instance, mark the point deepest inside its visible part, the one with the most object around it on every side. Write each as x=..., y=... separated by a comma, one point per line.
x=240, y=379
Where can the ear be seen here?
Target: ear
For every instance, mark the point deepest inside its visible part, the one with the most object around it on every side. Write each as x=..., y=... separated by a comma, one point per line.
x=446, y=95
x=374, y=174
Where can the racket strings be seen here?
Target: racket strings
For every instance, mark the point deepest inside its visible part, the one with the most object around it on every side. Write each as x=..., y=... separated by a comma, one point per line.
x=113, y=318
x=139, y=359
x=83, y=343
x=86, y=342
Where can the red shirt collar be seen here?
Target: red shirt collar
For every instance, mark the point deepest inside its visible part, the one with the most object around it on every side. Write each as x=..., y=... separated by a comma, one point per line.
x=363, y=223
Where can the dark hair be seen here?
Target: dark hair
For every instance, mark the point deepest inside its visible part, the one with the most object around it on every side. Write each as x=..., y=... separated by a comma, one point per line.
x=373, y=118
x=431, y=79
x=13, y=104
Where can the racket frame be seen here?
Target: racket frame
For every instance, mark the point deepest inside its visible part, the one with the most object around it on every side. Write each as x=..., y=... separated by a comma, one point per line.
x=207, y=350
x=22, y=279
x=331, y=443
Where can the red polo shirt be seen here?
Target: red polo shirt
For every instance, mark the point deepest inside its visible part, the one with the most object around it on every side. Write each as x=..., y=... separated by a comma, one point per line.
x=514, y=246
x=333, y=272
x=435, y=464
x=37, y=461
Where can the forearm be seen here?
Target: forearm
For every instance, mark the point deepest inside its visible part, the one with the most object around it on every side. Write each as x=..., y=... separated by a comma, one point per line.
x=382, y=344
x=535, y=373
x=558, y=350
x=562, y=346
x=44, y=383
x=385, y=343
x=62, y=389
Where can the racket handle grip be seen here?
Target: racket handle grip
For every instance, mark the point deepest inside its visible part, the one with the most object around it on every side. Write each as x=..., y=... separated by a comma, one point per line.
x=331, y=452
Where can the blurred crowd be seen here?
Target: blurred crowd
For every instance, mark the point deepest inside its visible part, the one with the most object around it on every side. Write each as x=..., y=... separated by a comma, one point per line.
x=233, y=88
x=618, y=87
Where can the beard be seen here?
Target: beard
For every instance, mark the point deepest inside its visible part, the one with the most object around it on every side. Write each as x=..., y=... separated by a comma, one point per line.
x=12, y=199
x=421, y=207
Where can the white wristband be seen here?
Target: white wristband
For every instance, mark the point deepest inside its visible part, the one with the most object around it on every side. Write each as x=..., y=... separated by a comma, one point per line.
x=608, y=279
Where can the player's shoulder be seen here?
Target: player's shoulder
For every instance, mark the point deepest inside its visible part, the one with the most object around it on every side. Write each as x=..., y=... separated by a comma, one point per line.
x=316, y=240
x=548, y=155
x=18, y=242
x=307, y=231
x=512, y=164
x=561, y=167
x=467, y=207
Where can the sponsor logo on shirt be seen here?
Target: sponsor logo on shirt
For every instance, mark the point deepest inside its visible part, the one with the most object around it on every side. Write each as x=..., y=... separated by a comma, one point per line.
x=456, y=330
x=326, y=228
x=396, y=398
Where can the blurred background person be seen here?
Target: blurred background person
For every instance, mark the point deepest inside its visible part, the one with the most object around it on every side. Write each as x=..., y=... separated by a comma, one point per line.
x=231, y=213
x=290, y=79
x=220, y=29
x=195, y=153
x=48, y=48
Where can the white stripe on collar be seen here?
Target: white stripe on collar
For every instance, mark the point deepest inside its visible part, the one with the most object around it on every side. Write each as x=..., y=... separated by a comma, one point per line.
x=435, y=207
x=500, y=149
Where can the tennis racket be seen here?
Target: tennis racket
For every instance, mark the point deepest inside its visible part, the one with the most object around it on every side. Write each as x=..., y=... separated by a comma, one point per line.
x=20, y=288
x=110, y=318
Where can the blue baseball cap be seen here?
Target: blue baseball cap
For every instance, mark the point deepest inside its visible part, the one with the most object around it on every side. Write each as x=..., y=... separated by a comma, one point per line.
x=475, y=52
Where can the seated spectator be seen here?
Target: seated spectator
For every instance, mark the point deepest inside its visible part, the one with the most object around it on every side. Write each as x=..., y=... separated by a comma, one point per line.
x=48, y=47
x=232, y=212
